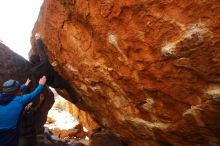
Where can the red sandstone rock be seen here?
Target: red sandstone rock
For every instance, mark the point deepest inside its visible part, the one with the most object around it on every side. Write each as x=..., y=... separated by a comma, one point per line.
x=105, y=138
x=75, y=133
x=83, y=117
x=147, y=70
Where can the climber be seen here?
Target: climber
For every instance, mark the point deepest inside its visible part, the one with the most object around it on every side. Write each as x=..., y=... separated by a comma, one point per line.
x=42, y=66
x=11, y=107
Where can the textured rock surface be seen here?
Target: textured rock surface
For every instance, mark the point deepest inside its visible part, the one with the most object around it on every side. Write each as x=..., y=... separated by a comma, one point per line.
x=105, y=138
x=13, y=66
x=83, y=117
x=148, y=70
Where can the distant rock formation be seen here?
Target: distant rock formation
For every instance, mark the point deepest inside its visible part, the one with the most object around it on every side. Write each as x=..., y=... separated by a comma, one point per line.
x=148, y=71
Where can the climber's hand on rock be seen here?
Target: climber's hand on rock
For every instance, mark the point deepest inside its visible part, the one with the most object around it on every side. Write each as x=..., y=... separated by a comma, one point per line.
x=37, y=36
x=43, y=80
x=27, y=82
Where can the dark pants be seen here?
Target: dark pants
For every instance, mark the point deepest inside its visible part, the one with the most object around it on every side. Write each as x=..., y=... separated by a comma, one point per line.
x=53, y=78
x=9, y=137
x=27, y=141
x=27, y=129
x=61, y=83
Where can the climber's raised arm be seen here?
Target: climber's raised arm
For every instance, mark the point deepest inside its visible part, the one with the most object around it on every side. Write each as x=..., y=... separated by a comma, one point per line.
x=23, y=86
x=27, y=98
x=40, y=47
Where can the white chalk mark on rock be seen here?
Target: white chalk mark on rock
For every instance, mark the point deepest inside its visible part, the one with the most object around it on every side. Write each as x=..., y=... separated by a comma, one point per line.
x=96, y=88
x=159, y=125
x=71, y=68
x=214, y=92
x=199, y=29
x=54, y=64
x=168, y=48
x=148, y=105
x=112, y=39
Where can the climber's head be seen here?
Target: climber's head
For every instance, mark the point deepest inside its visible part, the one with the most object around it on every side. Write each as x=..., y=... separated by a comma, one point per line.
x=34, y=59
x=10, y=87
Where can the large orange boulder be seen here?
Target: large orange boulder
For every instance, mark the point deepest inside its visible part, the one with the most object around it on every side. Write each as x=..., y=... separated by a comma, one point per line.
x=149, y=71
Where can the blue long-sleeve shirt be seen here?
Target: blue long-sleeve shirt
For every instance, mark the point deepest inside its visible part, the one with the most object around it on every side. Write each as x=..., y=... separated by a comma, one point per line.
x=11, y=107
x=23, y=87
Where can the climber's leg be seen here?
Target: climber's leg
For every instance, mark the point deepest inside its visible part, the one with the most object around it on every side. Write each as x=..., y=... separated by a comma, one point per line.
x=63, y=84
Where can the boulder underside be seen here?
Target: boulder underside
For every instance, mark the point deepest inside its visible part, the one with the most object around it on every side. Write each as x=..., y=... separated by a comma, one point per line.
x=149, y=71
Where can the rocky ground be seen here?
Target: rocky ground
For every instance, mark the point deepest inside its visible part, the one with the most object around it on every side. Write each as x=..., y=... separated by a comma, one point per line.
x=50, y=138
x=61, y=127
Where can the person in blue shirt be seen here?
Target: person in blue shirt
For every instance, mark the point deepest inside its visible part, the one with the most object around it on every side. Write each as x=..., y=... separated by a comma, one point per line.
x=11, y=108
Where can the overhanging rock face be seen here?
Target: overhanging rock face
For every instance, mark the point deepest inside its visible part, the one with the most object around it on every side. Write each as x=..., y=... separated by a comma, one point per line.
x=148, y=70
